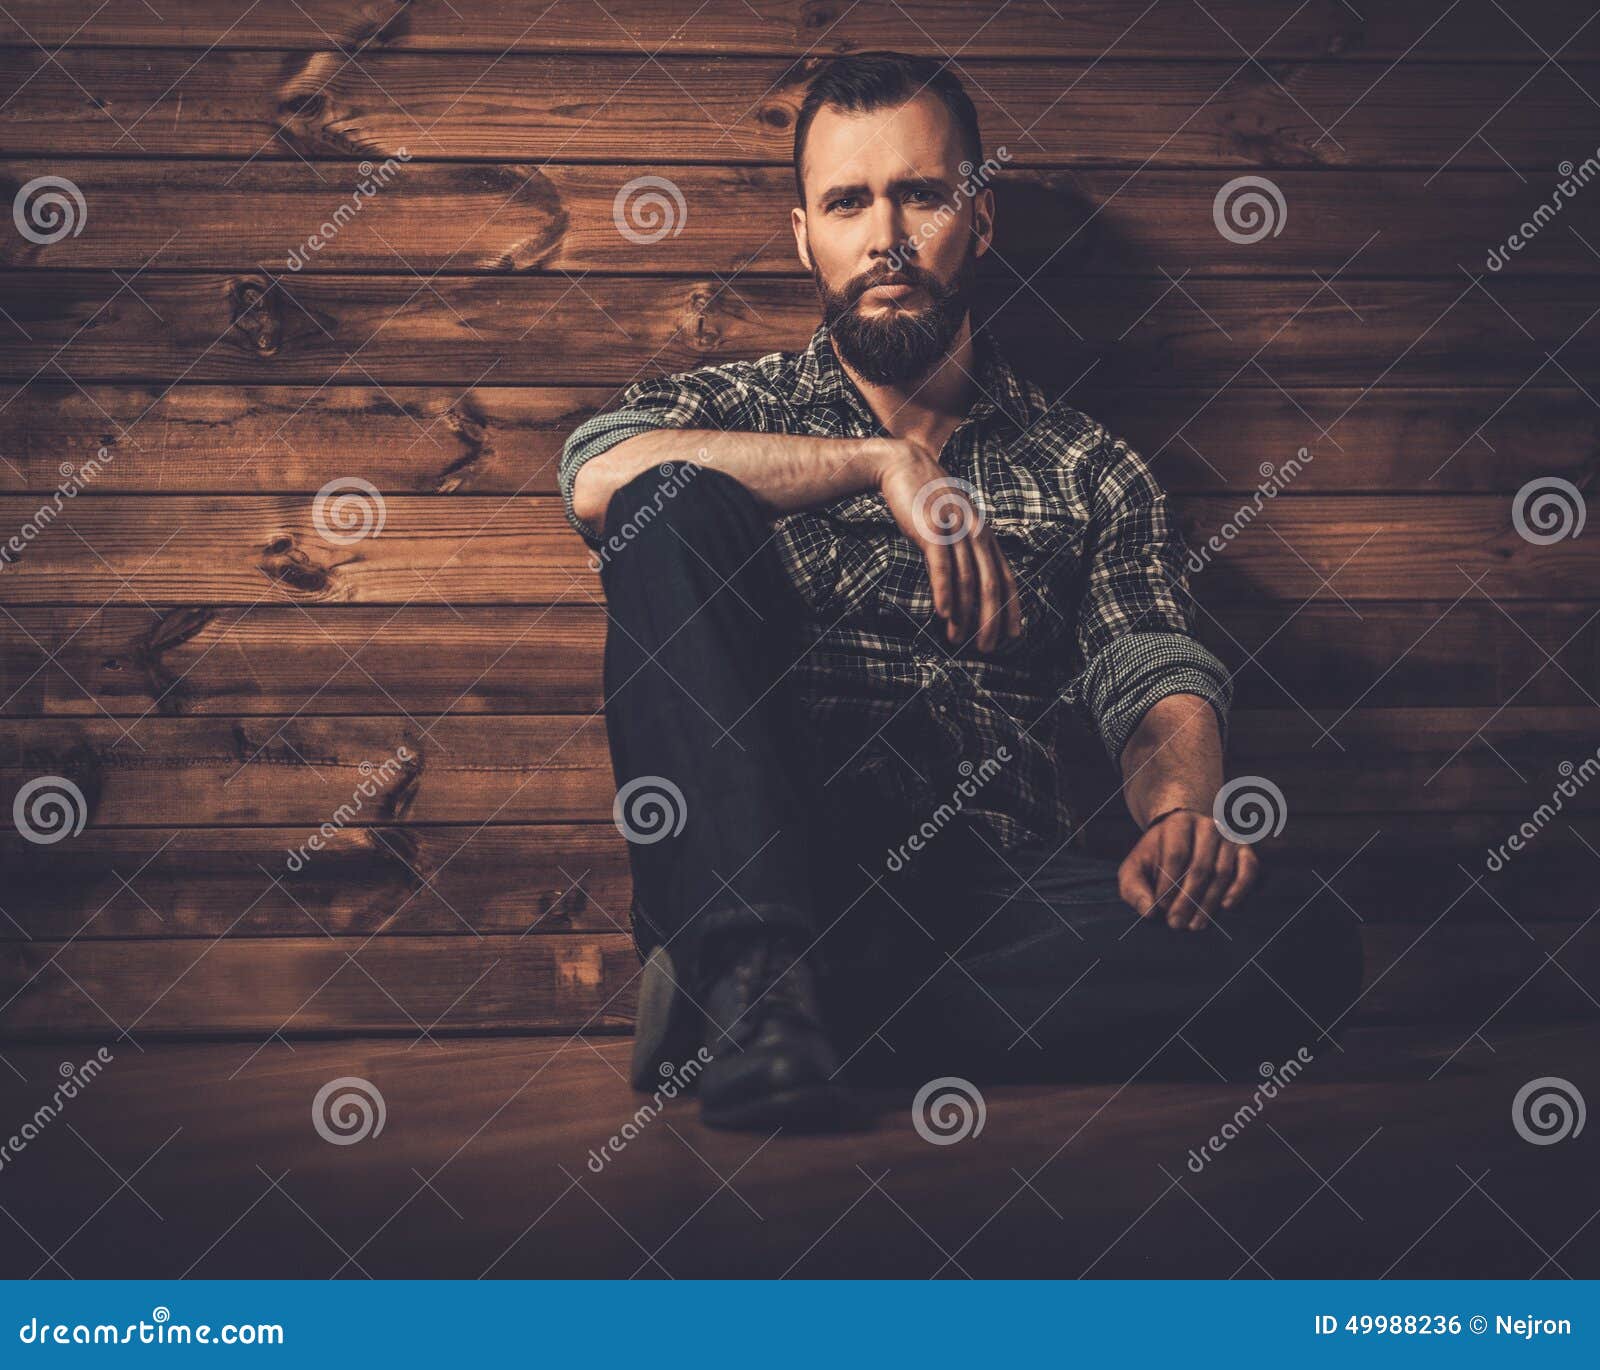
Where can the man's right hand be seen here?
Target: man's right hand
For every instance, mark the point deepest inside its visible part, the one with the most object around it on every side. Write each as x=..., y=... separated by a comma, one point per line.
x=974, y=589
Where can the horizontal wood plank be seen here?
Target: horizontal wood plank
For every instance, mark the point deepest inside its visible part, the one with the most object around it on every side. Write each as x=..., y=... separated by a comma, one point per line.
x=430, y=658
x=439, y=985
x=459, y=218
x=1229, y=113
x=276, y=772
x=95, y=326
x=212, y=439
x=1226, y=29
x=179, y=549
x=406, y=879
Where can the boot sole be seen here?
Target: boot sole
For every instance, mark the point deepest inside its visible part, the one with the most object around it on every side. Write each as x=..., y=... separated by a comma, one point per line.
x=665, y=1032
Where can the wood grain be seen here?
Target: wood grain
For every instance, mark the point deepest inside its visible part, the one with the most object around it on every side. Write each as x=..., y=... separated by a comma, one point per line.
x=179, y=549
x=741, y=110
x=507, y=769
x=430, y=658
x=406, y=878
x=443, y=985
x=94, y=326
x=211, y=439
x=1226, y=29
x=507, y=218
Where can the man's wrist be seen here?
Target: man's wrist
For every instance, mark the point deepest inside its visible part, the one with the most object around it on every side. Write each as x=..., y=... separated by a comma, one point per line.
x=1176, y=808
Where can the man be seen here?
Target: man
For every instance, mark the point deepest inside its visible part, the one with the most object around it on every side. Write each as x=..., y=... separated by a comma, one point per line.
x=848, y=590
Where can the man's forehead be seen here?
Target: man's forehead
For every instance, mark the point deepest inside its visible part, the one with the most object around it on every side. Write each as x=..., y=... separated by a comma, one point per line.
x=917, y=138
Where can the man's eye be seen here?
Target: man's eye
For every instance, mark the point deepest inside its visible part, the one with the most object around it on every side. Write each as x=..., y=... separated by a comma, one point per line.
x=842, y=200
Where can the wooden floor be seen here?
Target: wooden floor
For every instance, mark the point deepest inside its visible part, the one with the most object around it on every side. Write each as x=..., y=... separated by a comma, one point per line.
x=1395, y=1158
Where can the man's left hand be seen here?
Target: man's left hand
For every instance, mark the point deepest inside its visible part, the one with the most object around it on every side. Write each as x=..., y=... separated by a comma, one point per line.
x=1184, y=869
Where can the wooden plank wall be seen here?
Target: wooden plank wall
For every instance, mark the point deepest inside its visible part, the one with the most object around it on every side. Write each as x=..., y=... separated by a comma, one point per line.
x=217, y=675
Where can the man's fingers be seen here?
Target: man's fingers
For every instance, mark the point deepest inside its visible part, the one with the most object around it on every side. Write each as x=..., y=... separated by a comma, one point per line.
x=937, y=555
x=1187, y=907
x=1244, y=877
x=1013, y=597
x=1135, y=887
x=1224, y=869
x=1173, y=863
x=965, y=580
x=991, y=587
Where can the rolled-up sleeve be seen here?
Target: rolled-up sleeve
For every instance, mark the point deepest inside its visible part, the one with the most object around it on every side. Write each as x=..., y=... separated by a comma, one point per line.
x=1136, y=622
x=689, y=399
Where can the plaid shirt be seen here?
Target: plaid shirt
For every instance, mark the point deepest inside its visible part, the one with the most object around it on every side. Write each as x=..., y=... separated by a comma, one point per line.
x=1107, y=624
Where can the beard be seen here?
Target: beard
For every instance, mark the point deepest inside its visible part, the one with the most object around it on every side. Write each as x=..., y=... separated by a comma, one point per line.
x=895, y=345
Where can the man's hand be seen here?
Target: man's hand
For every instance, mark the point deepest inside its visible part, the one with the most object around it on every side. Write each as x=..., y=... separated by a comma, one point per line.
x=974, y=589
x=1184, y=869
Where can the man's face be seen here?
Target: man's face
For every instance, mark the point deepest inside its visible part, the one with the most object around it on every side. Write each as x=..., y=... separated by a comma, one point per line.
x=891, y=239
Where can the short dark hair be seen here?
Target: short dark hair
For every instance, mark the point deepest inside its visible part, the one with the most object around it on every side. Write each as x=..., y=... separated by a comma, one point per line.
x=860, y=82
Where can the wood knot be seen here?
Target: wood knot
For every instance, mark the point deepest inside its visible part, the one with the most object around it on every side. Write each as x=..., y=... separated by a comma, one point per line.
x=254, y=310
x=700, y=324
x=288, y=565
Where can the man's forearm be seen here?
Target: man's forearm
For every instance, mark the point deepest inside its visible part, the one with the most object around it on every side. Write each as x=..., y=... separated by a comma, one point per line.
x=786, y=472
x=1173, y=759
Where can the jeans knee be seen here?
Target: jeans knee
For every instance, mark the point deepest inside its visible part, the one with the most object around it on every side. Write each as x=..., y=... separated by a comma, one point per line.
x=675, y=503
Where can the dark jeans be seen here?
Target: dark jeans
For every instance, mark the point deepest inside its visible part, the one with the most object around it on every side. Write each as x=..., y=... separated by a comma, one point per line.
x=965, y=957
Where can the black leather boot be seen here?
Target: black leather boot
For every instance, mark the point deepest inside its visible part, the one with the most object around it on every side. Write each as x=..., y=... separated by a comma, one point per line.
x=773, y=1064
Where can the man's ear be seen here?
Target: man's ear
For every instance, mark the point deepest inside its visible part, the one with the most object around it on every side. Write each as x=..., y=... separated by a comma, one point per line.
x=797, y=220
x=983, y=219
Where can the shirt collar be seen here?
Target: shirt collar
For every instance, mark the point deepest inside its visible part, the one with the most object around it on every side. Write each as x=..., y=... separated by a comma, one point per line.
x=820, y=379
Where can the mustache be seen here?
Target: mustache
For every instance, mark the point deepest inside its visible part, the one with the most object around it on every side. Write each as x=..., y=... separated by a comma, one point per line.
x=907, y=275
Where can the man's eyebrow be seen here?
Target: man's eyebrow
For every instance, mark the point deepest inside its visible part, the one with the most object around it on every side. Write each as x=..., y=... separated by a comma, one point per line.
x=900, y=183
